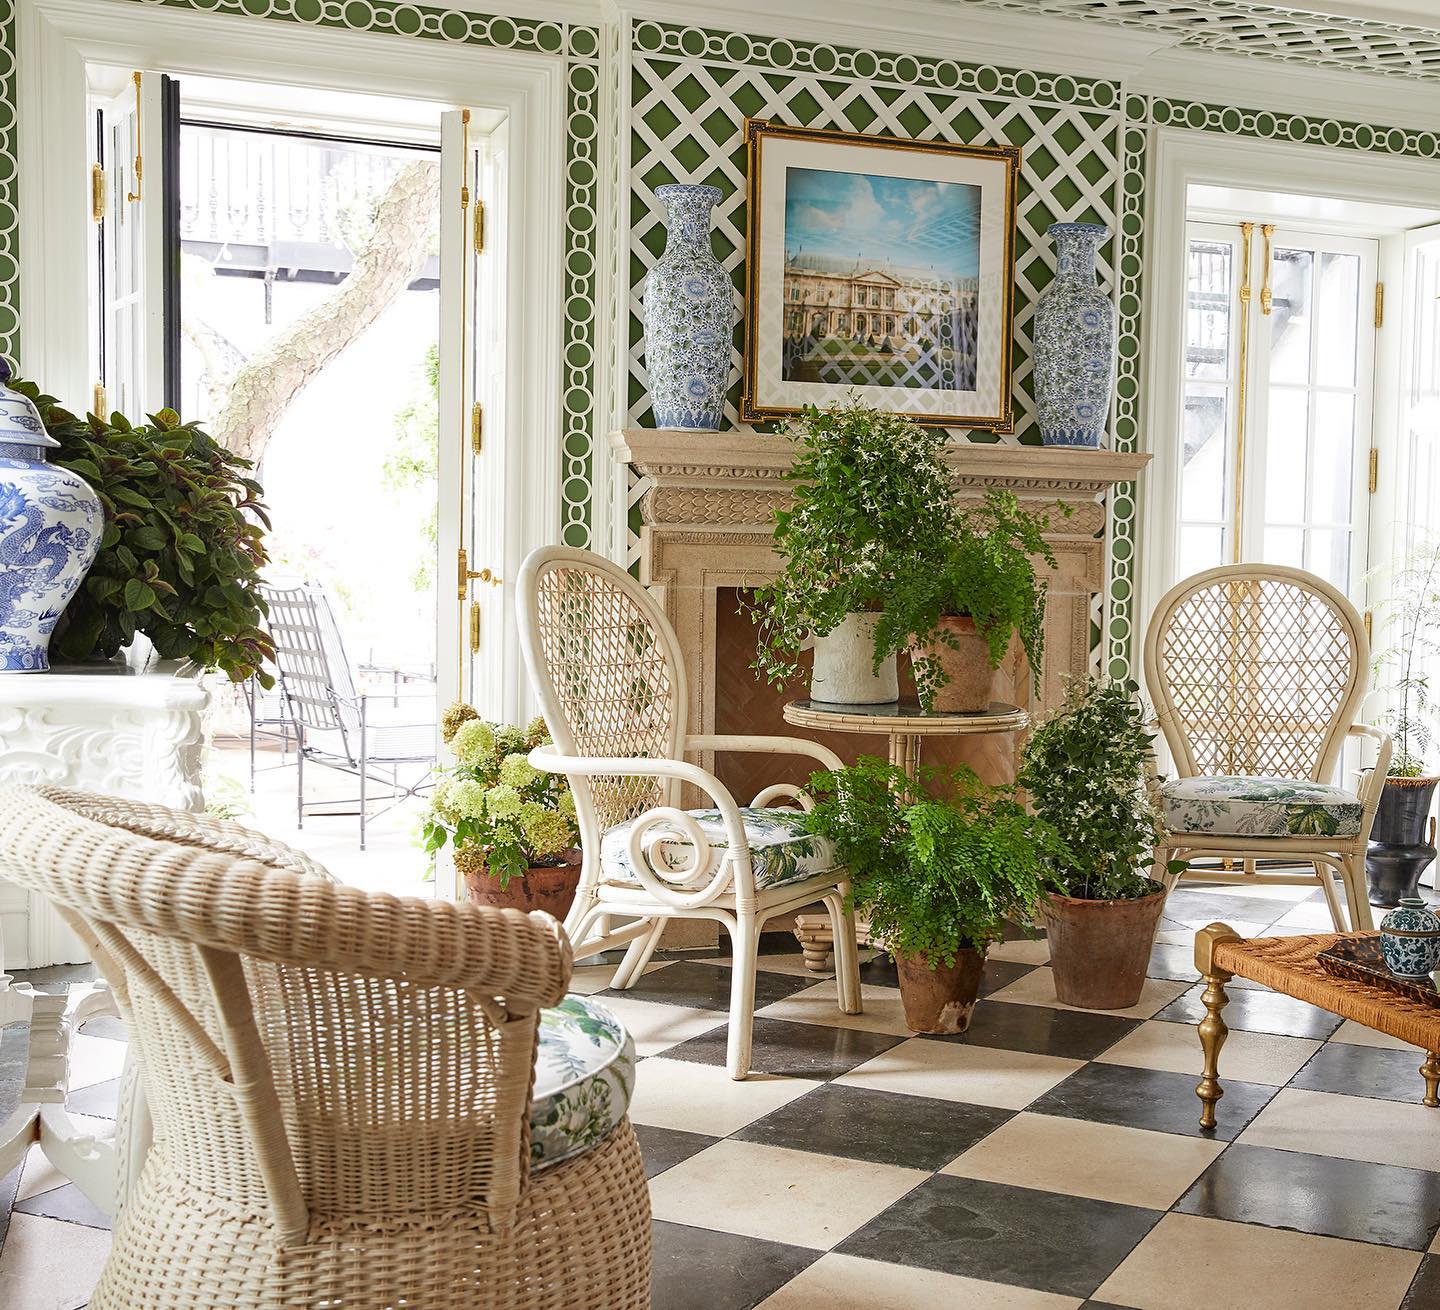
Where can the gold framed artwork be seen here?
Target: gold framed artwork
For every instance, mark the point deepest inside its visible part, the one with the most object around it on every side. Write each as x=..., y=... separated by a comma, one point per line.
x=880, y=268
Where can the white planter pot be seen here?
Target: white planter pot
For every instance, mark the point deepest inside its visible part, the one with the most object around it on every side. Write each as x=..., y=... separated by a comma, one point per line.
x=842, y=674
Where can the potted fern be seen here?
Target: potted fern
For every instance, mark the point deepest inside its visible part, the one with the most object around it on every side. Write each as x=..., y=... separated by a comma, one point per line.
x=1086, y=768
x=937, y=876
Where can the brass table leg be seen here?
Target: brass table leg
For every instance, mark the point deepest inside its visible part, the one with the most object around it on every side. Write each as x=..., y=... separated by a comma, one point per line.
x=1212, y=1037
x=1430, y=1071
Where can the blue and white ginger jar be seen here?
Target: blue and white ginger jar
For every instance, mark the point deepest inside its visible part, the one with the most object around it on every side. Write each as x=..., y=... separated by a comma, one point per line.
x=50, y=527
x=1410, y=939
x=1074, y=342
x=689, y=316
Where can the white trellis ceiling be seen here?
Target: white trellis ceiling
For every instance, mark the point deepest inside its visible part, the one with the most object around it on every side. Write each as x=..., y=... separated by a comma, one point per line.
x=1264, y=31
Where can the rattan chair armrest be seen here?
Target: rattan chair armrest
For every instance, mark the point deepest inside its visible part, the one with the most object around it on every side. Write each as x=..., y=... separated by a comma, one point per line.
x=711, y=741
x=1372, y=781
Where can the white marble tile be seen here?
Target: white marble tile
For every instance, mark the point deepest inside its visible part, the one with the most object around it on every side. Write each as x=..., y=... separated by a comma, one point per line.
x=1357, y=1034
x=1246, y=1057
x=789, y=963
x=588, y=979
x=38, y=1175
x=657, y=1027
x=1025, y=951
x=778, y=1194
x=950, y=1071
x=846, y=1282
x=1038, y=988
x=703, y=1098
x=1189, y=1263
x=47, y=1264
x=1350, y=1127
x=882, y=1013
x=95, y=1060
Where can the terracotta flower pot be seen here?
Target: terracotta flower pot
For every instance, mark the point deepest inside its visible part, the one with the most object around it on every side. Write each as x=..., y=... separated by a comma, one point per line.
x=940, y=1000
x=968, y=668
x=1099, y=950
x=550, y=888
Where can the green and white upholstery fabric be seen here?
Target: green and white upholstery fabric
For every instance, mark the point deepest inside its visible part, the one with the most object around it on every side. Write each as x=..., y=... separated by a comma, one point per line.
x=584, y=1076
x=780, y=850
x=1231, y=806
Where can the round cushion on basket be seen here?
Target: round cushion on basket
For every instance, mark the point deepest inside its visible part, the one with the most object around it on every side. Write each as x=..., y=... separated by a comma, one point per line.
x=584, y=1075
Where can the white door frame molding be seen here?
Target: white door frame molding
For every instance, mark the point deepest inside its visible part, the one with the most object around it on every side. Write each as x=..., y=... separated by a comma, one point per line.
x=56, y=39
x=1181, y=157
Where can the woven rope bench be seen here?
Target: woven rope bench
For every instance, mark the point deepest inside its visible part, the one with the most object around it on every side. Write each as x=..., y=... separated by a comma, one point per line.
x=1288, y=965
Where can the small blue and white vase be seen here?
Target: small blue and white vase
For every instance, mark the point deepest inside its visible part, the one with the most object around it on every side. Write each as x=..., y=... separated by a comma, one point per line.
x=1074, y=342
x=1410, y=939
x=50, y=528
x=689, y=315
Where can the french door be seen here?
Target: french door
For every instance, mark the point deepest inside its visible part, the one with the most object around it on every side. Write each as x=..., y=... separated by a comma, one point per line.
x=1279, y=353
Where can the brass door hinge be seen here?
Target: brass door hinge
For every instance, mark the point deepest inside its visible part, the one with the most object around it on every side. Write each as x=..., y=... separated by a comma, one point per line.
x=479, y=227
x=474, y=626
x=97, y=193
x=100, y=400
x=1369, y=620
x=477, y=428
x=1379, y=304
x=1374, y=479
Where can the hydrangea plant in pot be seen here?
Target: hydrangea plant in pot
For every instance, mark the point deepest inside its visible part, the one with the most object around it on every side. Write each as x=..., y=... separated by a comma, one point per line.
x=1086, y=769
x=867, y=486
x=965, y=590
x=938, y=866
x=511, y=827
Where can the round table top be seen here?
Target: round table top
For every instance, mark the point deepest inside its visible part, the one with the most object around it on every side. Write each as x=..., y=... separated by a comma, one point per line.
x=900, y=719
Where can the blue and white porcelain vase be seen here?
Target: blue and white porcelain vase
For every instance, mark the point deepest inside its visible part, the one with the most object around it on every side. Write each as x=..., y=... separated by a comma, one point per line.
x=689, y=314
x=50, y=527
x=1410, y=939
x=1074, y=342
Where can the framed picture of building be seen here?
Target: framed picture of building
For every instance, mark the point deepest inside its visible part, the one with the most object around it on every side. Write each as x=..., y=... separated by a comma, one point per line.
x=881, y=268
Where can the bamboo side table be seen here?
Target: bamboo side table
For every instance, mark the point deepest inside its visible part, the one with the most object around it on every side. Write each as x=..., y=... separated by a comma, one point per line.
x=905, y=725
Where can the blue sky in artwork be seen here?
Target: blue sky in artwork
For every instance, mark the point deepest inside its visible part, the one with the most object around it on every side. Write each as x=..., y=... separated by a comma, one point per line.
x=896, y=222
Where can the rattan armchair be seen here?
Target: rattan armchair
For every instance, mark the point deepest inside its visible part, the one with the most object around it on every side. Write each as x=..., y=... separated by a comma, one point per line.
x=1257, y=673
x=606, y=664
x=340, y=1082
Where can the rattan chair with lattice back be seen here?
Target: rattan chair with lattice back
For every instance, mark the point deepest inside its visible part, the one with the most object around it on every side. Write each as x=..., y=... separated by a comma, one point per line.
x=340, y=1082
x=1257, y=673
x=611, y=680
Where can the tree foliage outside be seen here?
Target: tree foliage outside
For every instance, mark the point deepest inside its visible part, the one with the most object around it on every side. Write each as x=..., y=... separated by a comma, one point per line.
x=413, y=461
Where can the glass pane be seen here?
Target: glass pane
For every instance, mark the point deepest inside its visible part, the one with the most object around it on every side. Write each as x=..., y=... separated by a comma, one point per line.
x=1338, y=310
x=1285, y=546
x=1328, y=554
x=1285, y=463
x=1333, y=459
x=1207, y=317
x=1200, y=548
x=1202, y=480
x=1290, y=319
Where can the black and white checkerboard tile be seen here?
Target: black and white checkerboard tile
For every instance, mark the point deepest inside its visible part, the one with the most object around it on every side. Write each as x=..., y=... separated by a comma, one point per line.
x=1048, y=1159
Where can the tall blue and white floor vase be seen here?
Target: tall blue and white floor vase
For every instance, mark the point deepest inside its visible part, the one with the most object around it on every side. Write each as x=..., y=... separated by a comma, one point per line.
x=50, y=527
x=689, y=315
x=1074, y=342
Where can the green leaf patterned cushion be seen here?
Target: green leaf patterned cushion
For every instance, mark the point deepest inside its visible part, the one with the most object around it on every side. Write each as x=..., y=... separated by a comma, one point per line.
x=1232, y=806
x=584, y=1075
x=780, y=851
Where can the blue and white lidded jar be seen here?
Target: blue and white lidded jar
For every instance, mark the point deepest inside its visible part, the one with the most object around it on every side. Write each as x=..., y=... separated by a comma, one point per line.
x=51, y=522
x=1410, y=939
x=1074, y=342
x=689, y=315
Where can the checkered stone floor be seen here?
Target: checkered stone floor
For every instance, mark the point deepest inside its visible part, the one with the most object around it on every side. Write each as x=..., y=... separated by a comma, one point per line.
x=1048, y=1159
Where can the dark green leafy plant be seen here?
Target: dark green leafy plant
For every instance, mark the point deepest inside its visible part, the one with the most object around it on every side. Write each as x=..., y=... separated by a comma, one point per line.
x=934, y=874
x=1085, y=768
x=868, y=485
x=1412, y=613
x=183, y=546
x=976, y=562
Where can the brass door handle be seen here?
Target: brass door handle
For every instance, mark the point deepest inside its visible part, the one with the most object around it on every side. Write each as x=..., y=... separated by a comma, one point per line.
x=466, y=575
x=484, y=575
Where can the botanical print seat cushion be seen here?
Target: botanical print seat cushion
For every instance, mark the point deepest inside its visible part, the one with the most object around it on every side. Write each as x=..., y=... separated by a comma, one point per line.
x=1228, y=805
x=584, y=1075
x=780, y=850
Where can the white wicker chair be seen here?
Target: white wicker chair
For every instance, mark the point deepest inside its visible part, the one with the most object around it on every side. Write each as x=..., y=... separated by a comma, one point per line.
x=340, y=1082
x=1257, y=673
x=606, y=664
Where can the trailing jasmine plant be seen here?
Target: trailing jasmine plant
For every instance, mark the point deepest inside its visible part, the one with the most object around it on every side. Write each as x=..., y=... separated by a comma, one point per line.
x=868, y=486
x=1085, y=768
x=934, y=874
x=501, y=815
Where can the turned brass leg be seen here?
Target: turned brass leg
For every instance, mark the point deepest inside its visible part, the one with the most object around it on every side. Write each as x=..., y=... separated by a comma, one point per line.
x=1430, y=1071
x=1212, y=1037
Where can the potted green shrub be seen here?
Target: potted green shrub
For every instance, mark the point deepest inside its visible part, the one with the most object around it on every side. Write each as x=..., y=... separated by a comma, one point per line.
x=1398, y=852
x=967, y=588
x=936, y=875
x=1086, y=769
x=183, y=546
x=867, y=486
x=511, y=827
